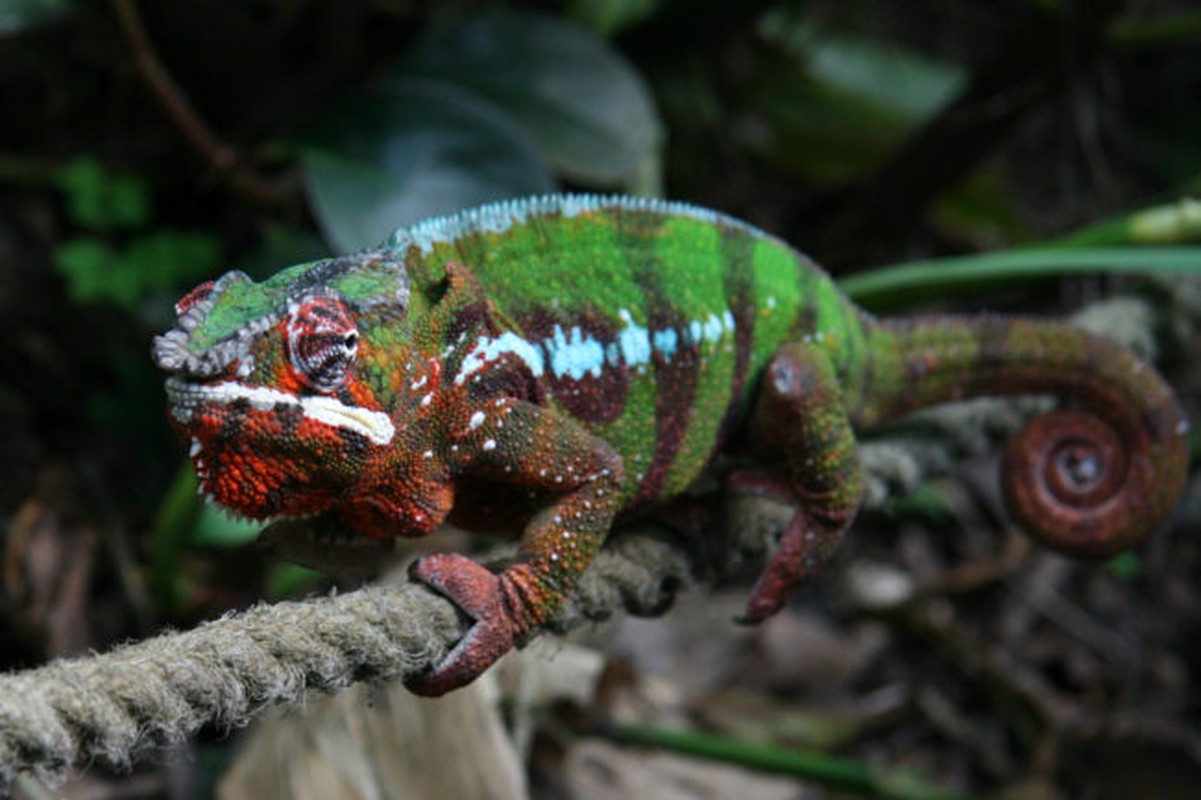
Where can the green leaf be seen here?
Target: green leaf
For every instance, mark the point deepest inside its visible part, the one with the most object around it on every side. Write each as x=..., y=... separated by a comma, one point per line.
x=87, y=263
x=900, y=284
x=908, y=85
x=585, y=106
x=1126, y=567
x=925, y=503
x=167, y=258
x=838, y=105
x=216, y=528
x=96, y=271
x=406, y=150
x=289, y=580
x=607, y=17
x=103, y=200
x=16, y=15
x=176, y=512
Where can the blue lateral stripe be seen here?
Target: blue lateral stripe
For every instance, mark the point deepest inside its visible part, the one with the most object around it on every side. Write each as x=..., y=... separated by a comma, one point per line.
x=575, y=353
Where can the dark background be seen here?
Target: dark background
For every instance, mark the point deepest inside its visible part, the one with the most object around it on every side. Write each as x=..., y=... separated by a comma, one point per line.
x=147, y=146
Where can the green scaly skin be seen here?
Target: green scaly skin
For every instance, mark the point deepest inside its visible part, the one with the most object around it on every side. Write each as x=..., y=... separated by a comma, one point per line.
x=535, y=369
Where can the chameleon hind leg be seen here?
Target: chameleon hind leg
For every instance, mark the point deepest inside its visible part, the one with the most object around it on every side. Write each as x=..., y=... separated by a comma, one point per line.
x=800, y=417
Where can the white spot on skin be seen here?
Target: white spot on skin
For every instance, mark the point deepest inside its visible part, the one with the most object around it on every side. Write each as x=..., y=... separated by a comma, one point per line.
x=489, y=444
x=417, y=384
x=488, y=349
x=574, y=354
x=428, y=454
x=633, y=343
x=712, y=328
x=665, y=342
x=195, y=449
x=477, y=419
x=429, y=398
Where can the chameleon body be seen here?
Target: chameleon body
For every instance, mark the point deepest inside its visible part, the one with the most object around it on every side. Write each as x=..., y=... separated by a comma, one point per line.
x=536, y=368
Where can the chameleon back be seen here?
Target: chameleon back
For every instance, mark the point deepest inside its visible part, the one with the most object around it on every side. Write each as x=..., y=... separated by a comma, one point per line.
x=647, y=320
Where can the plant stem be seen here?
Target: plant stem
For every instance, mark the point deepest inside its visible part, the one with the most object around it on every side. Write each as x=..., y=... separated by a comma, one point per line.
x=839, y=773
x=216, y=154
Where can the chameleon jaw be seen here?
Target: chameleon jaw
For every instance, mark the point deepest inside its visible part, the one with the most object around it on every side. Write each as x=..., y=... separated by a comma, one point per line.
x=185, y=397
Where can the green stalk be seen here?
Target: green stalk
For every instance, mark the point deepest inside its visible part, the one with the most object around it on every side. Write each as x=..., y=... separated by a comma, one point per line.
x=896, y=285
x=835, y=773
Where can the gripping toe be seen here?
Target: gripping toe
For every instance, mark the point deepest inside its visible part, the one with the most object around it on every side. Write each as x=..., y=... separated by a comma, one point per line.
x=475, y=591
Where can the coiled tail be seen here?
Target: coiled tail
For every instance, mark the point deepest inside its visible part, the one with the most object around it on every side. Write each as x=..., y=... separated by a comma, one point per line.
x=1091, y=478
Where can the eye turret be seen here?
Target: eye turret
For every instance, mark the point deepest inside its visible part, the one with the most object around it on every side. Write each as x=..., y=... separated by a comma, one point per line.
x=322, y=343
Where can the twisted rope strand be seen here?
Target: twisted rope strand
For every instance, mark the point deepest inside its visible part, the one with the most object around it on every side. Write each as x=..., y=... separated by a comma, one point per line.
x=159, y=691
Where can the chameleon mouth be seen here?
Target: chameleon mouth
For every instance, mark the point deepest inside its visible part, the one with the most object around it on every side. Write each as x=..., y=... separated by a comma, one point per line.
x=186, y=397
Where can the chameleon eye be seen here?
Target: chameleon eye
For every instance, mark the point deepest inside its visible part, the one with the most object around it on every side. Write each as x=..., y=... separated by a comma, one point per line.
x=322, y=343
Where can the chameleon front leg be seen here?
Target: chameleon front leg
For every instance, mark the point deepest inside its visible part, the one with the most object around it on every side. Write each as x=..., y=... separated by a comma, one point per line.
x=537, y=449
x=800, y=416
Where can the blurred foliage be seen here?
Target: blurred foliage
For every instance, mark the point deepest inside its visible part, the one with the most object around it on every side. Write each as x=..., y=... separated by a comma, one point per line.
x=101, y=203
x=16, y=15
x=277, y=132
x=150, y=145
x=489, y=109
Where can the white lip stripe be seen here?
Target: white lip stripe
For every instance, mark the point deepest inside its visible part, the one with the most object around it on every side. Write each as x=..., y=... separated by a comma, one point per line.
x=375, y=425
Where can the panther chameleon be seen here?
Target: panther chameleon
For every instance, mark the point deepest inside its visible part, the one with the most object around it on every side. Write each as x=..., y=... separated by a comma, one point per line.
x=536, y=368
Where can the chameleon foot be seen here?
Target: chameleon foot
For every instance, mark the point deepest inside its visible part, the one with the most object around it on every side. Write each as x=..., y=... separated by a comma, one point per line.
x=781, y=576
x=802, y=550
x=477, y=592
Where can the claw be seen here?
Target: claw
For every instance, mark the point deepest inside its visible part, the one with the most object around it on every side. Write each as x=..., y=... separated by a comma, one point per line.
x=476, y=591
x=796, y=559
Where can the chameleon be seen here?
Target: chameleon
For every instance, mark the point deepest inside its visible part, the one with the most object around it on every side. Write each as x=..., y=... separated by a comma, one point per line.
x=540, y=368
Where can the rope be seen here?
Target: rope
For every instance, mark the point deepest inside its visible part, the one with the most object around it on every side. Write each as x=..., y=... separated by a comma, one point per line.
x=109, y=708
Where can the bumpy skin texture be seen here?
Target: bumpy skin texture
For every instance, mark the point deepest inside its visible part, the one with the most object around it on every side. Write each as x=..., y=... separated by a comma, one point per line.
x=536, y=368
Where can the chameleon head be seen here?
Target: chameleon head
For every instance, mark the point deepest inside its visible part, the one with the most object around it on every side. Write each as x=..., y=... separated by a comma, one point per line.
x=274, y=387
